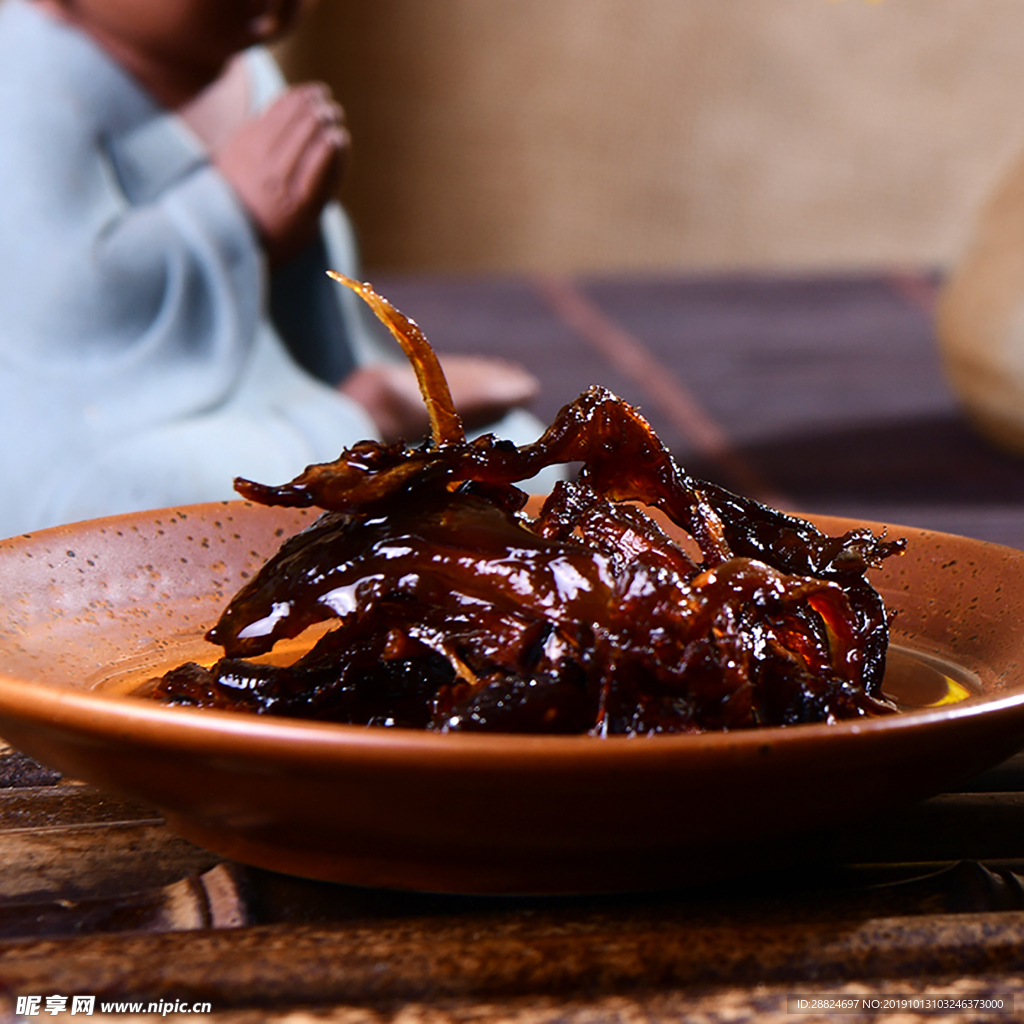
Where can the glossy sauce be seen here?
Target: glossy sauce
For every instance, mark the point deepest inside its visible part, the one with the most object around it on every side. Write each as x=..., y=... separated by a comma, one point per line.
x=915, y=680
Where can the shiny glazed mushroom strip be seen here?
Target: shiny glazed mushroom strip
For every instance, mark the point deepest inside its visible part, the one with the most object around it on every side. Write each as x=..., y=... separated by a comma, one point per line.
x=455, y=610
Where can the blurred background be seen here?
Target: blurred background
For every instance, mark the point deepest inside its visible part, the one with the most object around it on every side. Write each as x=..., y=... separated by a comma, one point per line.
x=790, y=231
x=755, y=210
x=608, y=135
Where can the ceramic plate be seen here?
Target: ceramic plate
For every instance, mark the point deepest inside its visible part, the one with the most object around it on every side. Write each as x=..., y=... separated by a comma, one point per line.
x=90, y=610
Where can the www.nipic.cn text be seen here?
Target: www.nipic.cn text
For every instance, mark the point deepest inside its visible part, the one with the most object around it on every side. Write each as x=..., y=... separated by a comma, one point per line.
x=35, y=1006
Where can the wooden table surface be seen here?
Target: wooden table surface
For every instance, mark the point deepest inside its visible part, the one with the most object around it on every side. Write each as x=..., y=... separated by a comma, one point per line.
x=822, y=394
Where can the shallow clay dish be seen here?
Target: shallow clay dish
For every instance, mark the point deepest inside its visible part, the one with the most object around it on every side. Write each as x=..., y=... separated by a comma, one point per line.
x=90, y=610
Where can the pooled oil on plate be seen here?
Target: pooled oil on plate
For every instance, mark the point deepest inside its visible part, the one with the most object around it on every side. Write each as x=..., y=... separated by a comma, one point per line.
x=91, y=610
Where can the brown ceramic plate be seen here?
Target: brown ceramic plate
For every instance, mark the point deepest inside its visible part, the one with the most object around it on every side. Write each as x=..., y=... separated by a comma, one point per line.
x=89, y=610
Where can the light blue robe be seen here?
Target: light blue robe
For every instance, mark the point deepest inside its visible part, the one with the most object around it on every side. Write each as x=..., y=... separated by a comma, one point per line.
x=139, y=367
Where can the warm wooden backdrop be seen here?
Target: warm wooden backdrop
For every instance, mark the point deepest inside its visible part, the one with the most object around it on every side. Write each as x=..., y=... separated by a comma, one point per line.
x=668, y=134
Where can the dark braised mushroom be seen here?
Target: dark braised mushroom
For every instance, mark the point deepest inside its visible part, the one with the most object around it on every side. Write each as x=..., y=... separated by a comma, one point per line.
x=457, y=611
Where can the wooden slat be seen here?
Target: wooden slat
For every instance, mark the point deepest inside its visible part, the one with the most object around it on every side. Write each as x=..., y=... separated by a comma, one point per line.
x=17, y=769
x=66, y=804
x=211, y=900
x=762, y=1004
x=507, y=955
x=92, y=860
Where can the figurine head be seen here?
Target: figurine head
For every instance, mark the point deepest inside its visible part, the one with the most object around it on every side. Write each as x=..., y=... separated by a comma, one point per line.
x=185, y=43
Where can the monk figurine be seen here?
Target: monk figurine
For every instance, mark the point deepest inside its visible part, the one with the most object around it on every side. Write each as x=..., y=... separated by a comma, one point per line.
x=167, y=219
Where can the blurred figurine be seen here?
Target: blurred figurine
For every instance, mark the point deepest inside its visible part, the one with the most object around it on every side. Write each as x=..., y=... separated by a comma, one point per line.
x=166, y=322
